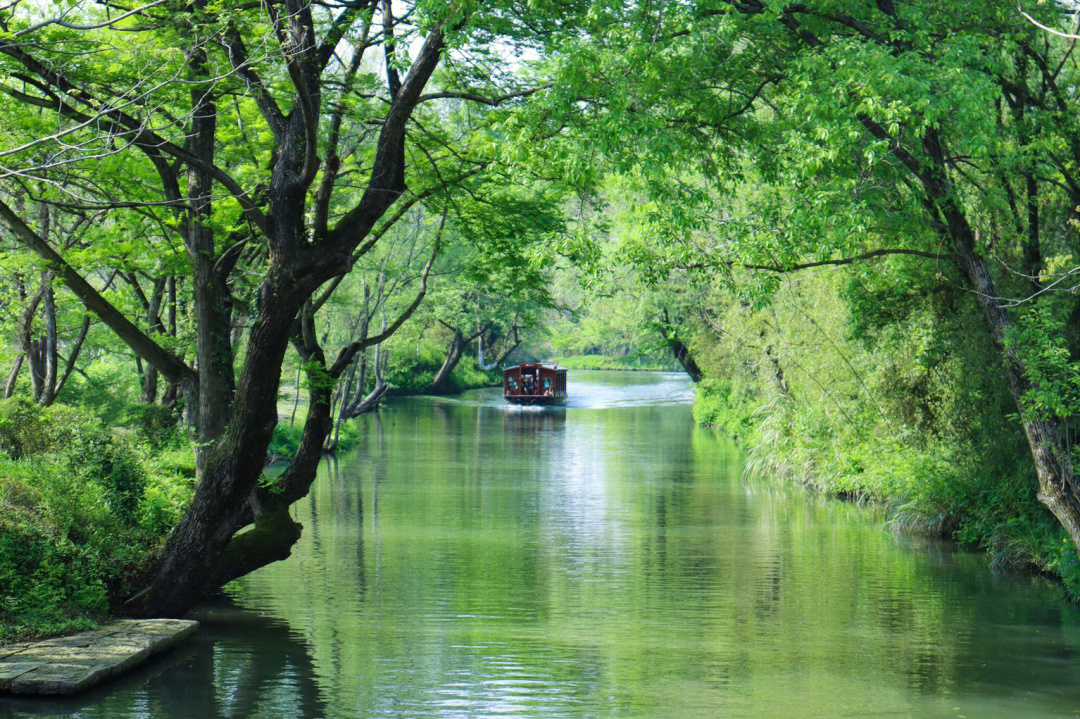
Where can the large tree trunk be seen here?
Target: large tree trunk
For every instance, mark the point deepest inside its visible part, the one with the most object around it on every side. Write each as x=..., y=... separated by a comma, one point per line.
x=212, y=299
x=42, y=352
x=679, y=349
x=13, y=375
x=363, y=404
x=155, y=325
x=73, y=356
x=440, y=384
x=150, y=386
x=1058, y=487
x=26, y=325
x=273, y=531
x=50, y=350
x=371, y=400
x=513, y=341
x=356, y=391
x=682, y=354
x=458, y=344
x=189, y=559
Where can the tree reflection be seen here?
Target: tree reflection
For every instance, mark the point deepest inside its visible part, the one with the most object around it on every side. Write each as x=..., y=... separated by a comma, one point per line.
x=240, y=664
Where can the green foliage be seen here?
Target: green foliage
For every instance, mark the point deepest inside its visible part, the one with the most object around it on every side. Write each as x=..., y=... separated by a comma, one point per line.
x=113, y=465
x=413, y=375
x=154, y=424
x=286, y=440
x=727, y=407
x=1039, y=339
x=81, y=505
x=21, y=429
x=50, y=586
x=634, y=362
x=896, y=402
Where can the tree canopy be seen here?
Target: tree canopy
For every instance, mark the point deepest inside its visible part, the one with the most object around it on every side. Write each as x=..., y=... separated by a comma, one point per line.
x=224, y=190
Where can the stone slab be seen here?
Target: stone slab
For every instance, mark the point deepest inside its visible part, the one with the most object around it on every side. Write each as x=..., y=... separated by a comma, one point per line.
x=72, y=664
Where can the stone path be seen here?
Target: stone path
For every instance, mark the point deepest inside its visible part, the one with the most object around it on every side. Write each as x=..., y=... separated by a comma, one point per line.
x=68, y=665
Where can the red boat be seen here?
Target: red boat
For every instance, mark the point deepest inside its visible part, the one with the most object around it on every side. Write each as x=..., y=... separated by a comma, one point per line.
x=532, y=383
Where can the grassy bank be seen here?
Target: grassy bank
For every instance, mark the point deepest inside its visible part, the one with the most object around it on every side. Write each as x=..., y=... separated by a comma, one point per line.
x=980, y=494
x=81, y=506
x=286, y=439
x=415, y=377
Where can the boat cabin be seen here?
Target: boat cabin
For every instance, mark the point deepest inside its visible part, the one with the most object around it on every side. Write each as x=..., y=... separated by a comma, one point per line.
x=533, y=383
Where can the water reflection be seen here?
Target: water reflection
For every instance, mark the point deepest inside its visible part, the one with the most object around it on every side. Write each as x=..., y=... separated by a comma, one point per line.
x=525, y=420
x=469, y=560
x=241, y=664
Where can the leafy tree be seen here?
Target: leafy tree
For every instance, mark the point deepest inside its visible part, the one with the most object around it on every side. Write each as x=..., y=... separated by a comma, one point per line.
x=772, y=137
x=271, y=144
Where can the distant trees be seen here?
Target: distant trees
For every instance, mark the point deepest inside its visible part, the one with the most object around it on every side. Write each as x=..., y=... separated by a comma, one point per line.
x=771, y=138
x=497, y=288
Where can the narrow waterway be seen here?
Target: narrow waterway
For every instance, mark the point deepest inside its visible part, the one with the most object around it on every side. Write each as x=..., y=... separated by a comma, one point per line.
x=604, y=560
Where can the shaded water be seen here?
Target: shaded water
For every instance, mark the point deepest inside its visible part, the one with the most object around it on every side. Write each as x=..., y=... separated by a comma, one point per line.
x=603, y=560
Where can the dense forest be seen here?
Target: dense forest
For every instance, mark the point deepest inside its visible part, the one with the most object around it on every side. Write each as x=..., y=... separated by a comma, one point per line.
x=227, y=229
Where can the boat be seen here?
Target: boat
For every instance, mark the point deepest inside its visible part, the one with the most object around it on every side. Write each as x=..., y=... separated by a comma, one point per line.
x=534, y=384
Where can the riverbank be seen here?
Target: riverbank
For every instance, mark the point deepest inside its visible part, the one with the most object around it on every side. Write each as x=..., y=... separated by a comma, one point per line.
x=984, y=502
x=82, y=505
x=606, y=533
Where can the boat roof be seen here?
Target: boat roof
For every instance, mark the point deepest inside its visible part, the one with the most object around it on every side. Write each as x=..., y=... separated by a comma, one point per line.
x=534, y=365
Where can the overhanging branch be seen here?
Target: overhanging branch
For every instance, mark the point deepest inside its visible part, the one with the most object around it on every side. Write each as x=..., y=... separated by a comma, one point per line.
x=826, y=263
x=141, y=343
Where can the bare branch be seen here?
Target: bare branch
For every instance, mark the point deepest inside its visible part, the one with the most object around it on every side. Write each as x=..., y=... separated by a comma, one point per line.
x=347, y=354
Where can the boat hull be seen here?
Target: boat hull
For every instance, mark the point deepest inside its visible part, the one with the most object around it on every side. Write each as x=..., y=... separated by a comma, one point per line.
x=535, y=400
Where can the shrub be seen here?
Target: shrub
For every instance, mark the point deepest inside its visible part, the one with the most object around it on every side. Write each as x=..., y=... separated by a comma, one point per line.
x=81, y=506
x=722, y=405
x=22, y=428
x=163, y=502
x=47, y=583
x=286, y=441
x=156, y=425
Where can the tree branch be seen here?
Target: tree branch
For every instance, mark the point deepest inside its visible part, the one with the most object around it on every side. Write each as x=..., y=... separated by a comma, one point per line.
x=122, y=124
x=347, y=354
x=238, y=57
x=388, y=172
x=827, y=263
x=165, y=362
x=493, y=101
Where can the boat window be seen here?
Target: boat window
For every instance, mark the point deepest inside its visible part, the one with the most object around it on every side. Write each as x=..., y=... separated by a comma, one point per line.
x=547, y=383
x=512, y=383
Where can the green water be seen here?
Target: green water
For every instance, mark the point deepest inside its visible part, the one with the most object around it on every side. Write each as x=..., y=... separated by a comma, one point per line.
x=604, y=560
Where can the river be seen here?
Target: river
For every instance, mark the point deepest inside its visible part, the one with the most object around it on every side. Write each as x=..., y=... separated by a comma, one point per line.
x=469, y=559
